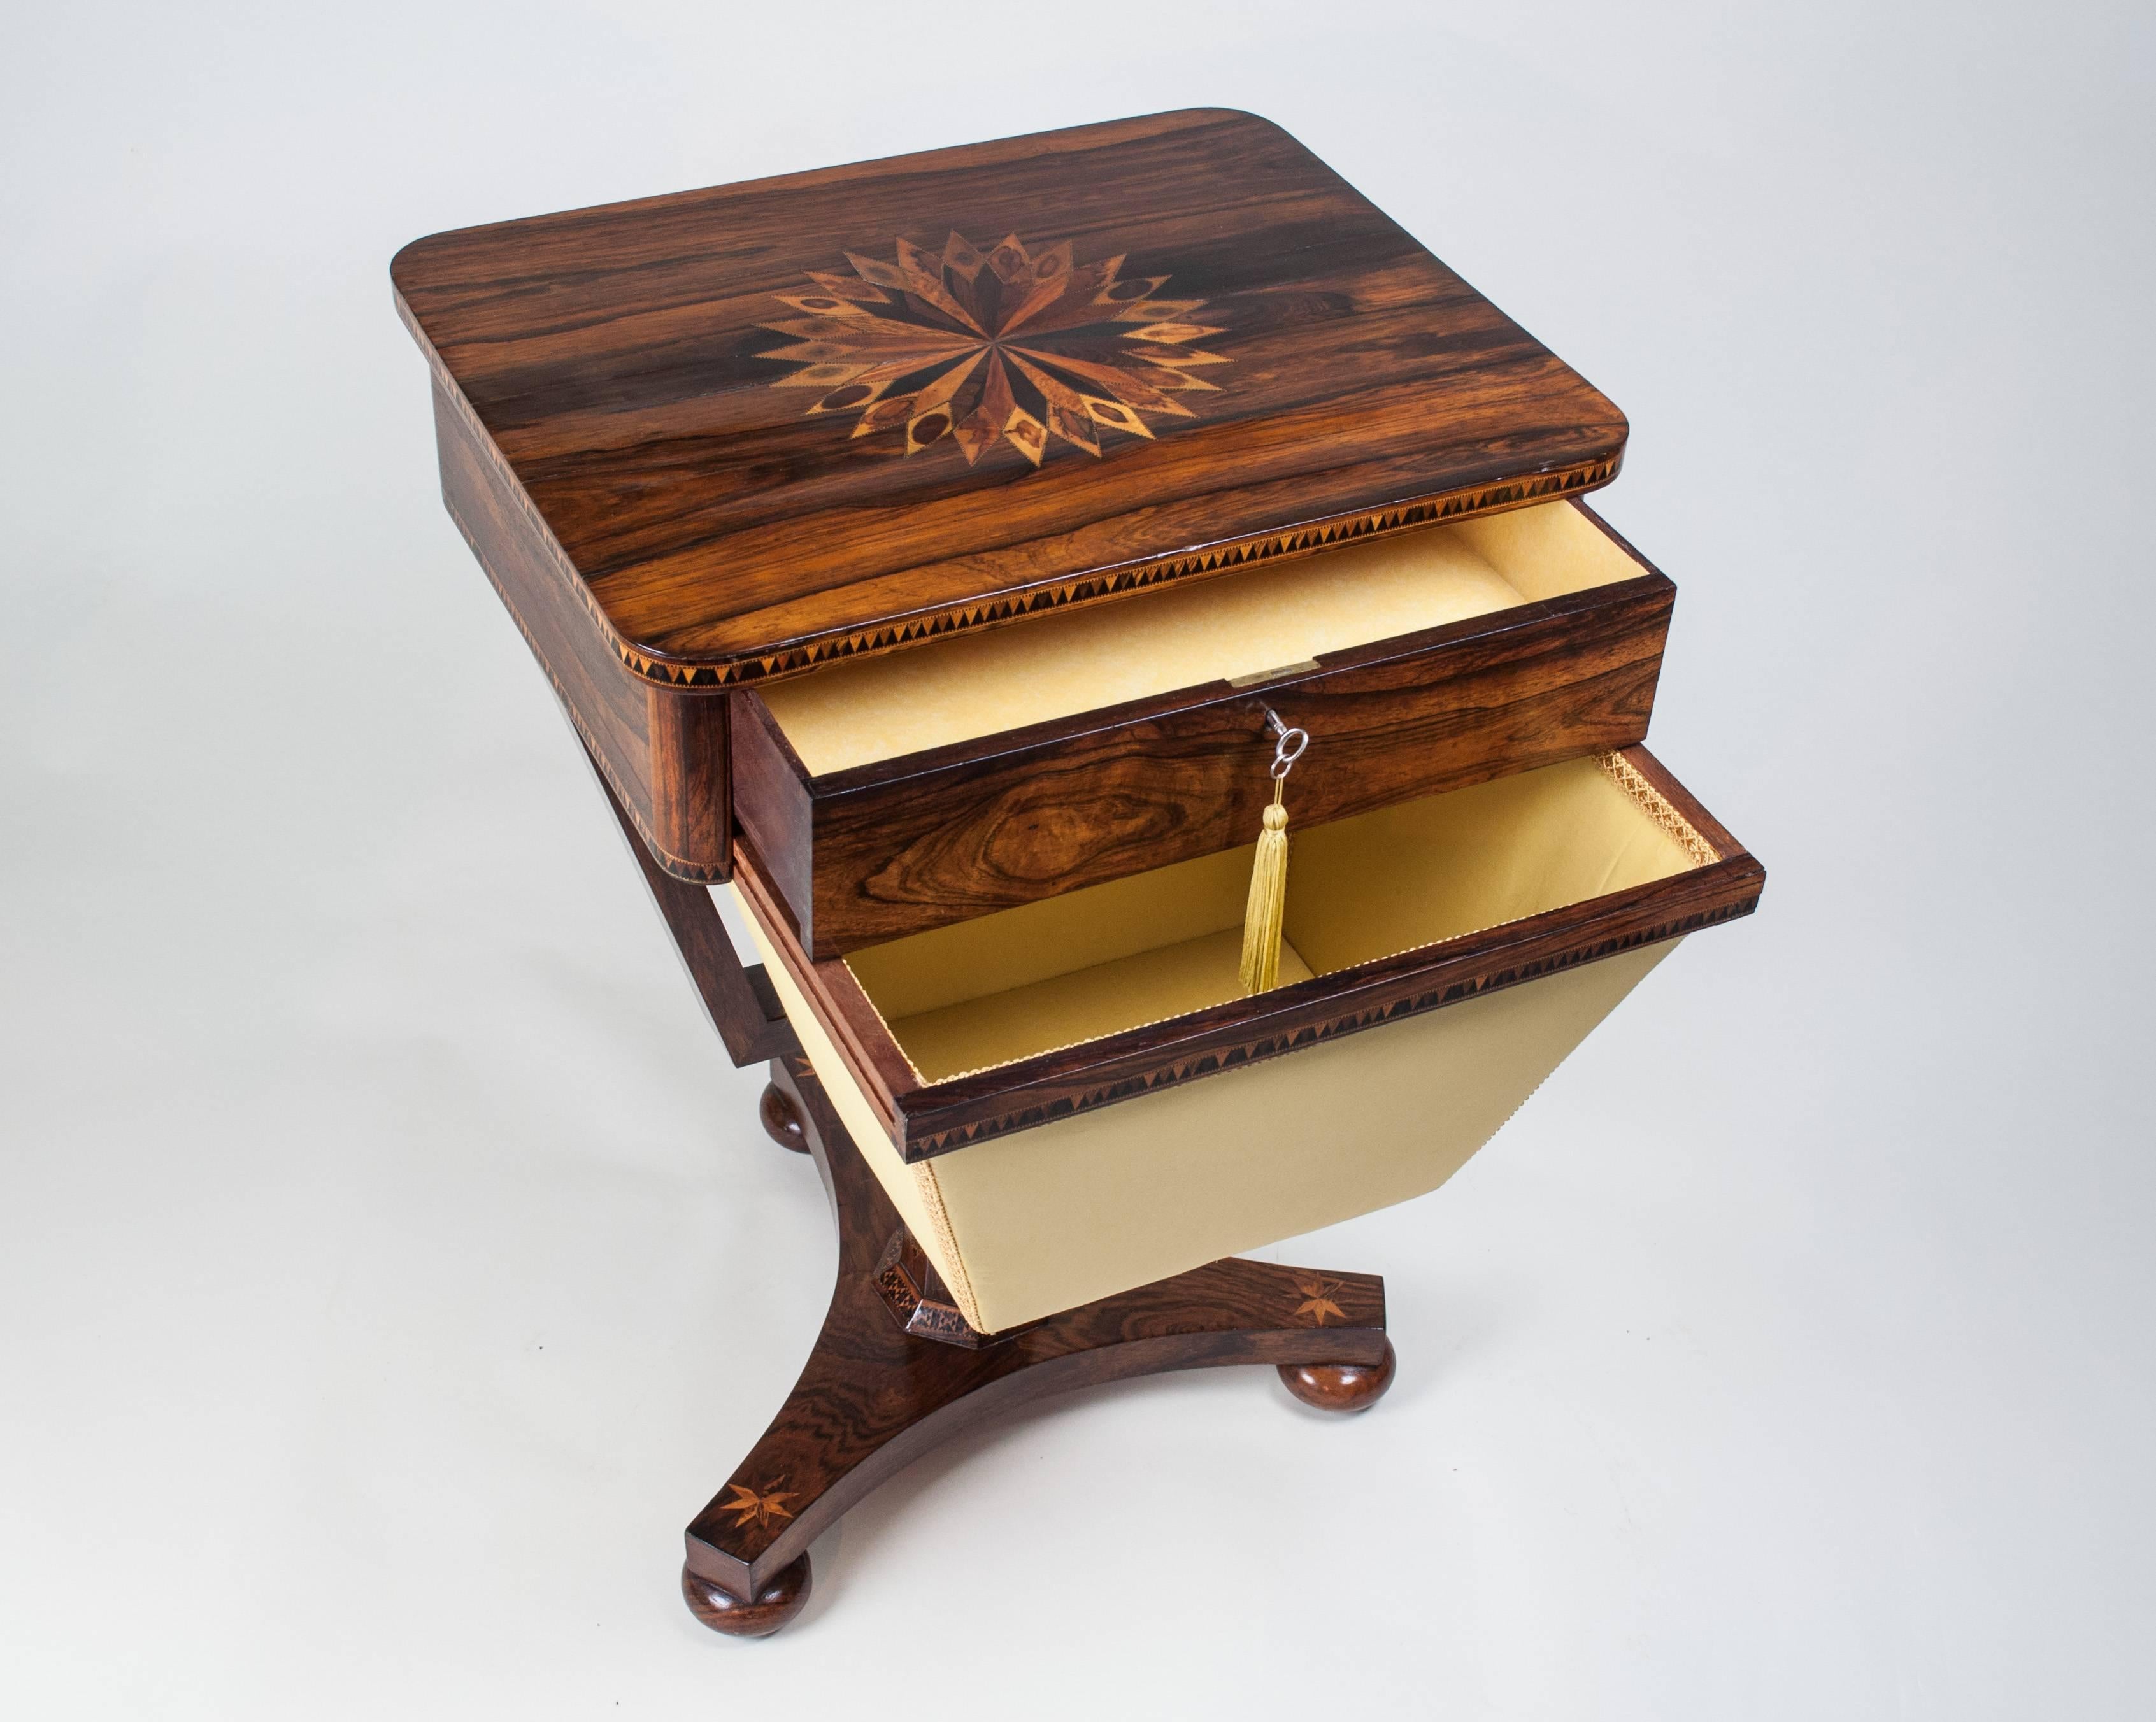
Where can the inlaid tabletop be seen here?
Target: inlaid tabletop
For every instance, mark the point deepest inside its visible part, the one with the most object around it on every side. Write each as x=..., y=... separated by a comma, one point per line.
x=767, y=425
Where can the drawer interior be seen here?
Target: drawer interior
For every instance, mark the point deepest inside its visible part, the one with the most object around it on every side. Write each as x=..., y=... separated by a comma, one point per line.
x=1136, y=950
x=1231, y=628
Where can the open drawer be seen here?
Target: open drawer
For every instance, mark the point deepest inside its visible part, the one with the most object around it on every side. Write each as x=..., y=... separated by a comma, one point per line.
x=890, y=796
x=1069, y=1098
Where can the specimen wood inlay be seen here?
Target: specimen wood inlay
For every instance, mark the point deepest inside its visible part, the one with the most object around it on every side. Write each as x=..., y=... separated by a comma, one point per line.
x=1011, y=345
x=616, y=361
x=1317, y=1299
x=764, y=1506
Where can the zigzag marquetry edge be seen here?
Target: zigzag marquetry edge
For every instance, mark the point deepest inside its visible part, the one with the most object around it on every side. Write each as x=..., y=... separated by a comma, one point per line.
x=1629, y=777
x=1091, y=588
x=1271, y=1046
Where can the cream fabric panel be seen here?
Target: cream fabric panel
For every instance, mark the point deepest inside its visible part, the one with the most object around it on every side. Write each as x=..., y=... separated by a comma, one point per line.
x=1548, y=550
x=1446, y=865
x=1057, y=664
x=1063, y=1009
x=1090, y=1205
x=1025, y=1225
x=912, y=1189
x=1140, y=950
x=1016, y=947
x=1182, y=636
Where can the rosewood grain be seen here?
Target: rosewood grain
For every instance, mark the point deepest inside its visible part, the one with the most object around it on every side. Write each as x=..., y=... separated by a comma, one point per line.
x=783, y=1596
x=877, y=852
x=691, y=799
x=1262, y=364
x=874, y=1395
x=775, y=803
x=742, y=1005
x=1341, y=1386
x=662, y=753
x=703, y=441
x=776, y=1113
x=928, y=1118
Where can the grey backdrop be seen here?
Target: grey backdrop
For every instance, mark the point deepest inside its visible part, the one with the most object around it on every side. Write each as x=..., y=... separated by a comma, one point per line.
x=389, y=1260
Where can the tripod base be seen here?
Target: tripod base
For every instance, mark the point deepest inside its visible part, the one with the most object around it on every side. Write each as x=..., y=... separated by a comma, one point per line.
x=896, y=1369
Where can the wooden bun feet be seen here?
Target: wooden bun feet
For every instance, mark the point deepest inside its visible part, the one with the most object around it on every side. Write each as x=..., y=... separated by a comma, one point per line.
x=1341, y=1386
x=781, y=1597
x=781, y=1119
x=897, y=1370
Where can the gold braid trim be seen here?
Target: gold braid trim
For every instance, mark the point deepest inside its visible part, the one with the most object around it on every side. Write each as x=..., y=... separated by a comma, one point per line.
x=1656, y=806
x=954, y=1264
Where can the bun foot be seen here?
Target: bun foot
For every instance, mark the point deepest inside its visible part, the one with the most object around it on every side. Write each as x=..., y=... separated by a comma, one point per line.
x=781, y=1119
x=1340, y=1386
x=723, y=1612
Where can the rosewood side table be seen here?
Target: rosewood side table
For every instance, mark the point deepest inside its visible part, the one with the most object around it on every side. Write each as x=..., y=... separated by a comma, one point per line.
x=950, y=556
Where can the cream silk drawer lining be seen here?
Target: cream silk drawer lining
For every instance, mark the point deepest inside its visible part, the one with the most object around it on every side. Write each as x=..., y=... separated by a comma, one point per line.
x=1146, y=949
x=1185, y=636
x=1045, y=1219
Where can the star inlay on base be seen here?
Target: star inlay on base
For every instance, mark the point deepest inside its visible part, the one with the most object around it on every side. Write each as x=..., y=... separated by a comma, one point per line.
x=880, y=1388
x=1011, y=344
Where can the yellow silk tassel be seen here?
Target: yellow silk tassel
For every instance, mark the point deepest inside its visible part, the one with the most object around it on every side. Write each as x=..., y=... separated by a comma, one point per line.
x=1268, y=906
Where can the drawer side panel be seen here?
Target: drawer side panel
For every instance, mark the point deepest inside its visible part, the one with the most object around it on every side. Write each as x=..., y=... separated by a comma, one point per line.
x=772, y=803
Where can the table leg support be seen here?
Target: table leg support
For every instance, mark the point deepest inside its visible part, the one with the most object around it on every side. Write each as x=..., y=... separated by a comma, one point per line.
x=877, y=1392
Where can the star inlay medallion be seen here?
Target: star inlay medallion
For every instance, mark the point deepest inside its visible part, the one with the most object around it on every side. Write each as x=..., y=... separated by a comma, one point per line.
x=750, y=1506
x=1318, y=1298
x=1007, y=344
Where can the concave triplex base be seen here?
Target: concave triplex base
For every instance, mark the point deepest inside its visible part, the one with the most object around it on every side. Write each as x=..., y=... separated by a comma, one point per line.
x=896, y=1370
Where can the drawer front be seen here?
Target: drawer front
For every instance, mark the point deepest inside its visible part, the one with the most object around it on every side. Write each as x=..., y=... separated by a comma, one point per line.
x=1707, y=878
x=875, y=852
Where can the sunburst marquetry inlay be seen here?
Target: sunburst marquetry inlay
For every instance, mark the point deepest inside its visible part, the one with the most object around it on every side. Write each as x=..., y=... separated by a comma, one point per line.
x=1010, y=345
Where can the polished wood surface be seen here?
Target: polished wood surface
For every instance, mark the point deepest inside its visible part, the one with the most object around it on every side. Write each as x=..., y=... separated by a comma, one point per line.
x=783, y=1596
x=765, y=425
x=927, y=1119
x=875, y=853
x=875, y=1396
x=663, y=754
x=738, y=998
x=702, y=441
x=781, y=1123
x=1341, y=1386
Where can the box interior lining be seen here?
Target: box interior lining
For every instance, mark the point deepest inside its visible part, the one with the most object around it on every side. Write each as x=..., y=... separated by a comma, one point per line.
x=1142, y=950
x=1231, y=626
